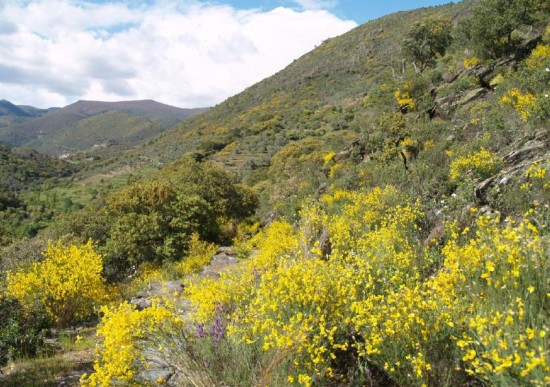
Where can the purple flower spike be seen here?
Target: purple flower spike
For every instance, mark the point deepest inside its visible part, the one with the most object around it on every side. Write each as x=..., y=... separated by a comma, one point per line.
x=199, y=332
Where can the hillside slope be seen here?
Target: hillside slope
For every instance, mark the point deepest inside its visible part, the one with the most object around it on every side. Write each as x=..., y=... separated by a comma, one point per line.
x=319, y=92
x=393, y=225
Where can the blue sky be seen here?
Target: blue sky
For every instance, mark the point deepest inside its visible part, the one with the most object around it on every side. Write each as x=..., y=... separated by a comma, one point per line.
x=360, y=11
x=187, y=53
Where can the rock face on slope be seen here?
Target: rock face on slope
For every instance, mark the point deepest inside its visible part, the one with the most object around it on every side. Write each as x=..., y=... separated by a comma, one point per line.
x=526, y=152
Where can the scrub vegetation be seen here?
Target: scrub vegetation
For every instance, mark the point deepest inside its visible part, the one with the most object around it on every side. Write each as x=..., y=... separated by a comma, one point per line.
x=386, y=196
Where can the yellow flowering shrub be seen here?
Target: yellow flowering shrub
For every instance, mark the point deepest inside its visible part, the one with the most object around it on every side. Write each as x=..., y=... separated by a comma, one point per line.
x=540, y=56
x=364, y=296
x=290, y=300
x=537, y=176
x=504, y=273
x=483, y=297
x=404, y=99
x=119, y=357
x=200, y=255
x=68, y=284
x=524, y=103
x=471, y=62
x=335, y=170
x=328, y=158
x=206, y=295
x=245, y=231
x=482, y=164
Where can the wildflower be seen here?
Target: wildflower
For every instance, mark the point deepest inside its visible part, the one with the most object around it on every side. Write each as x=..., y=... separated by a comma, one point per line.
x=523, y=103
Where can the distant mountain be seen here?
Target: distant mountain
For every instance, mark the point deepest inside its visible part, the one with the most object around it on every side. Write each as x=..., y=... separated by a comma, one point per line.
x=36, y=112
x=146, y=108
x=7, y=108
x=11, y=114
x=57, y=131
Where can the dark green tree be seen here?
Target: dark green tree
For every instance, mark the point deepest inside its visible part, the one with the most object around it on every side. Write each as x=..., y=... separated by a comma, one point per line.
x=425, y=40
x=492, y=26
x=152, y=220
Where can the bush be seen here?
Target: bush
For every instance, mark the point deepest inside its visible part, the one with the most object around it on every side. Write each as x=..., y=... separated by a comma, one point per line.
x=20, y=335
x=67, y=285
x=492, y=26
x=426, y=39
x=153, y=220
x=200, y=255
x=482, y=164
x=120, y=357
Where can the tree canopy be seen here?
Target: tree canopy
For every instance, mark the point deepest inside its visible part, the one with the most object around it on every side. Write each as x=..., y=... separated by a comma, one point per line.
x=493, y=23
x=426, y=39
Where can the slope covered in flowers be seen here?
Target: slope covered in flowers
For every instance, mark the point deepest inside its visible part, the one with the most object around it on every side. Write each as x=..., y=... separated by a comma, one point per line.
x=389, y=235
x=376, y=303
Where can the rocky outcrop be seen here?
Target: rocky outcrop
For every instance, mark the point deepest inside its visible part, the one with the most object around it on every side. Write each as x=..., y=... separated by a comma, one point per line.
x=157, y=290
x=225, y=257
x=487, y=78
x=516, y=163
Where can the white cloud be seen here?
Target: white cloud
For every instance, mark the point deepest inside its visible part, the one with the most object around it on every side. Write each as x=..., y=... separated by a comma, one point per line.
x=53, y=52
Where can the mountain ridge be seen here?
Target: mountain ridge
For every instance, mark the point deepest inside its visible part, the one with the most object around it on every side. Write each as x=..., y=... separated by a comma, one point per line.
x=8, y=108
x=45, y=132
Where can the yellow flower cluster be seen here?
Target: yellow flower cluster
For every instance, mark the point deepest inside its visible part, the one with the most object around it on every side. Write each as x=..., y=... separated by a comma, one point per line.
x=506, y=270
x=207, y=295
x=119, y=358
x=200, y=254
x=404, y=99
x=482, y=163
x=301, y=301
x=471, y=62
x=524, y=103
x=327, y=159
x=537, y=176
x=540, y=56
x=67, y=285
x=367, y=295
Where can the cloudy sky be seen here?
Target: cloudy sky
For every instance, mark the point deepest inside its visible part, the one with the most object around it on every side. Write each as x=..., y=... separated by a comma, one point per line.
x=187, y=53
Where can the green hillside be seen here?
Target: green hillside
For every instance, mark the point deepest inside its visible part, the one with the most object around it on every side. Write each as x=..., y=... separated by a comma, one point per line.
x=342, y=96
x=24, y=168
x=383, y=203
x=25, y=172
x=320, y=92
x=112, y=129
